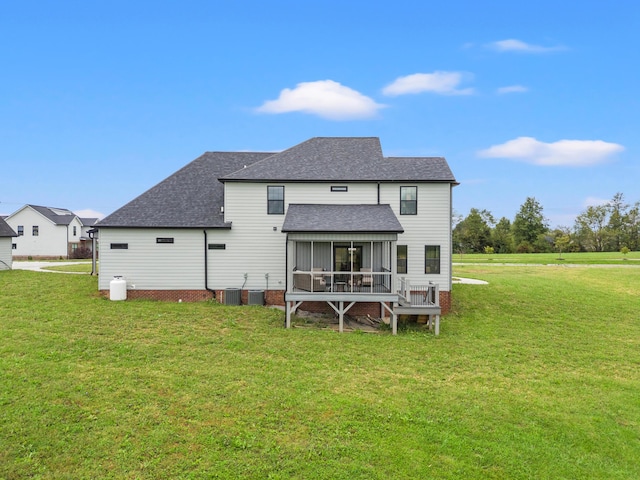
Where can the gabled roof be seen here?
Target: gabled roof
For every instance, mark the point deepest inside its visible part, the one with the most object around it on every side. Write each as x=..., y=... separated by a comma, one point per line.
x=341, y=218
x=6, y=230
x=191, y=197
x=343, y=159
x=87, y=222
x=57, y=216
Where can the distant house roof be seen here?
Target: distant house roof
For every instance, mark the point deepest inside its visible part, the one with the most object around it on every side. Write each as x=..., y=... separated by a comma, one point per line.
x=86, y=222
x=191, y=197
x=58, y=216
x=343, y=159
x=341, y=218
x=6, y=230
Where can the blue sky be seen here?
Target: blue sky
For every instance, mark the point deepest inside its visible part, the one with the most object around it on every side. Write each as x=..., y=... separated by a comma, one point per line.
x=99, y=101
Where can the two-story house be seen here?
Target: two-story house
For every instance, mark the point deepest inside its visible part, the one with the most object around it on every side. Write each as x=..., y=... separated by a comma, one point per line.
x=330, y=223
x=47, y=232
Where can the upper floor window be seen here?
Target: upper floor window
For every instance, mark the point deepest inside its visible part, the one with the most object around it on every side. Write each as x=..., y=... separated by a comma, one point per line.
x=339, y=188
x=35, y=231
x=408, y=200
x=275, y=200
x=432, y=259
x=75, y=231
x=20, y=230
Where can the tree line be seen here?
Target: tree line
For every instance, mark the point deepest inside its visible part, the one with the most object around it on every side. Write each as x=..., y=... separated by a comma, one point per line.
x=612, y=227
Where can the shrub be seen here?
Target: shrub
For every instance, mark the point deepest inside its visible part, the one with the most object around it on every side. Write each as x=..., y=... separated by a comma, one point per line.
x=81, y=252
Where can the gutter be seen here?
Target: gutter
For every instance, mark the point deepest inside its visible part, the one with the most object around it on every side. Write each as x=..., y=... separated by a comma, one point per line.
x=206, y=265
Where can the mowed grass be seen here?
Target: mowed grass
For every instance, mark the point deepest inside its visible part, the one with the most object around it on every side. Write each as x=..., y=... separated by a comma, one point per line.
x=536, y=375
x=579, y=258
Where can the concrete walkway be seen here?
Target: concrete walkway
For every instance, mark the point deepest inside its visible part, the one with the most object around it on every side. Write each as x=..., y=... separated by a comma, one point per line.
x=36, y=266
x=469, y=281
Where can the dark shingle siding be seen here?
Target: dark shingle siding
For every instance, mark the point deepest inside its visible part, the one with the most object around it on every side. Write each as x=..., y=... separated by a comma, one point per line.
x=190, y=198
x=341, y=218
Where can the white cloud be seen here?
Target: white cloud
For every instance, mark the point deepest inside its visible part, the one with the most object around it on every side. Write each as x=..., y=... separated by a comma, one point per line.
x=443, y=83
x=595, y=202
x=325, y=98
x=513, y=45
x=575, y=153
x=88, y=213
x=512, y=89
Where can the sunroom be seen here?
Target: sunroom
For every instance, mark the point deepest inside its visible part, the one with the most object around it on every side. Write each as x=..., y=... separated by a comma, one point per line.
x=342, y=255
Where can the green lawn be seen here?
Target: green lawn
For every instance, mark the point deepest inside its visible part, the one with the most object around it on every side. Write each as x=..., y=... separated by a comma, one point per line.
x=535, y=375
x=582, y=258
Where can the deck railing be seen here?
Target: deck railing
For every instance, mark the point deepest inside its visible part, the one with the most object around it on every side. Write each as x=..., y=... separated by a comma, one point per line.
x=341, y=282
x=419, y=295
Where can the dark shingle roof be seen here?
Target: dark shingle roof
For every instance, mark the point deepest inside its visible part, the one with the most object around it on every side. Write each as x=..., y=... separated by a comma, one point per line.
x=342, y=159
x=191, y=197
x=59, y=216
x=6, y=230
x=341, y=218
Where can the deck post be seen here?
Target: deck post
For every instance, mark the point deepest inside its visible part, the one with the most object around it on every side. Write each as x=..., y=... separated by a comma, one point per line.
x=341, y=316
x=394, y=323
x=287, y=322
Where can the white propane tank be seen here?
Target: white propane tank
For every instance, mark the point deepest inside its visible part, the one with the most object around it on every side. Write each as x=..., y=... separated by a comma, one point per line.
x=118, y=288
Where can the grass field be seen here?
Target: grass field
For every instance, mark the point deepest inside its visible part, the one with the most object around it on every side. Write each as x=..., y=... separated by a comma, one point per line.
x=535, y=375
x=581, y=258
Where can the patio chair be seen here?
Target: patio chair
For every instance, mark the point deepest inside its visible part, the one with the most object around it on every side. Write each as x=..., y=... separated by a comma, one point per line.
x=367, y=280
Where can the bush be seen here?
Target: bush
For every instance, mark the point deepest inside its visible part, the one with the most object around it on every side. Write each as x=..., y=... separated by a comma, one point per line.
x=81, y=252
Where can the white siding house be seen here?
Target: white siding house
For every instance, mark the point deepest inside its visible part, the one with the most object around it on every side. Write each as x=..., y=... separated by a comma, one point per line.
x=377, y=228
x=6, y=242
x=45, y=232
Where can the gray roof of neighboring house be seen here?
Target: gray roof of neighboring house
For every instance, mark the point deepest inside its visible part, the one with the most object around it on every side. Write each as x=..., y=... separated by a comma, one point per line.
x=6, y=230
x=343, y=159
x=191, y=197
x=341, y=218
x=59, y=216
x=86, y=222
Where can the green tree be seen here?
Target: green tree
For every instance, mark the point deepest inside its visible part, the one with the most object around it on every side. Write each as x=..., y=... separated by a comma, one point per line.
x=501, y=236
x=590, y=227
x=529, y=224
x=474, y=232
x=615, y=230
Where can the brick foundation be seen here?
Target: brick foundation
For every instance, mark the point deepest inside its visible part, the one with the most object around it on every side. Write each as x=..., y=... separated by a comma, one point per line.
x=272, y=297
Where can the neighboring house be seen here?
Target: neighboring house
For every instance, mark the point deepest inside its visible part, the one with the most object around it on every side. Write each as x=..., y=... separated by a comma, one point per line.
x=6, y=244
x=46, y=232
x=328, y=224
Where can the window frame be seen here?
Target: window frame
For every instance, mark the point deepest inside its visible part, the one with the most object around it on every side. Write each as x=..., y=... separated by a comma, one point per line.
x=35, y=231
x=21, y=230
x=165, y=240
x=339, y=188
x=275, y=206
x=405, y=270
x=119, y=246
x=434, y=261
x=405, y=204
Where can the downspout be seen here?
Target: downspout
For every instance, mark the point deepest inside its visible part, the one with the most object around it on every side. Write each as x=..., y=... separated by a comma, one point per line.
x=206, y=265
